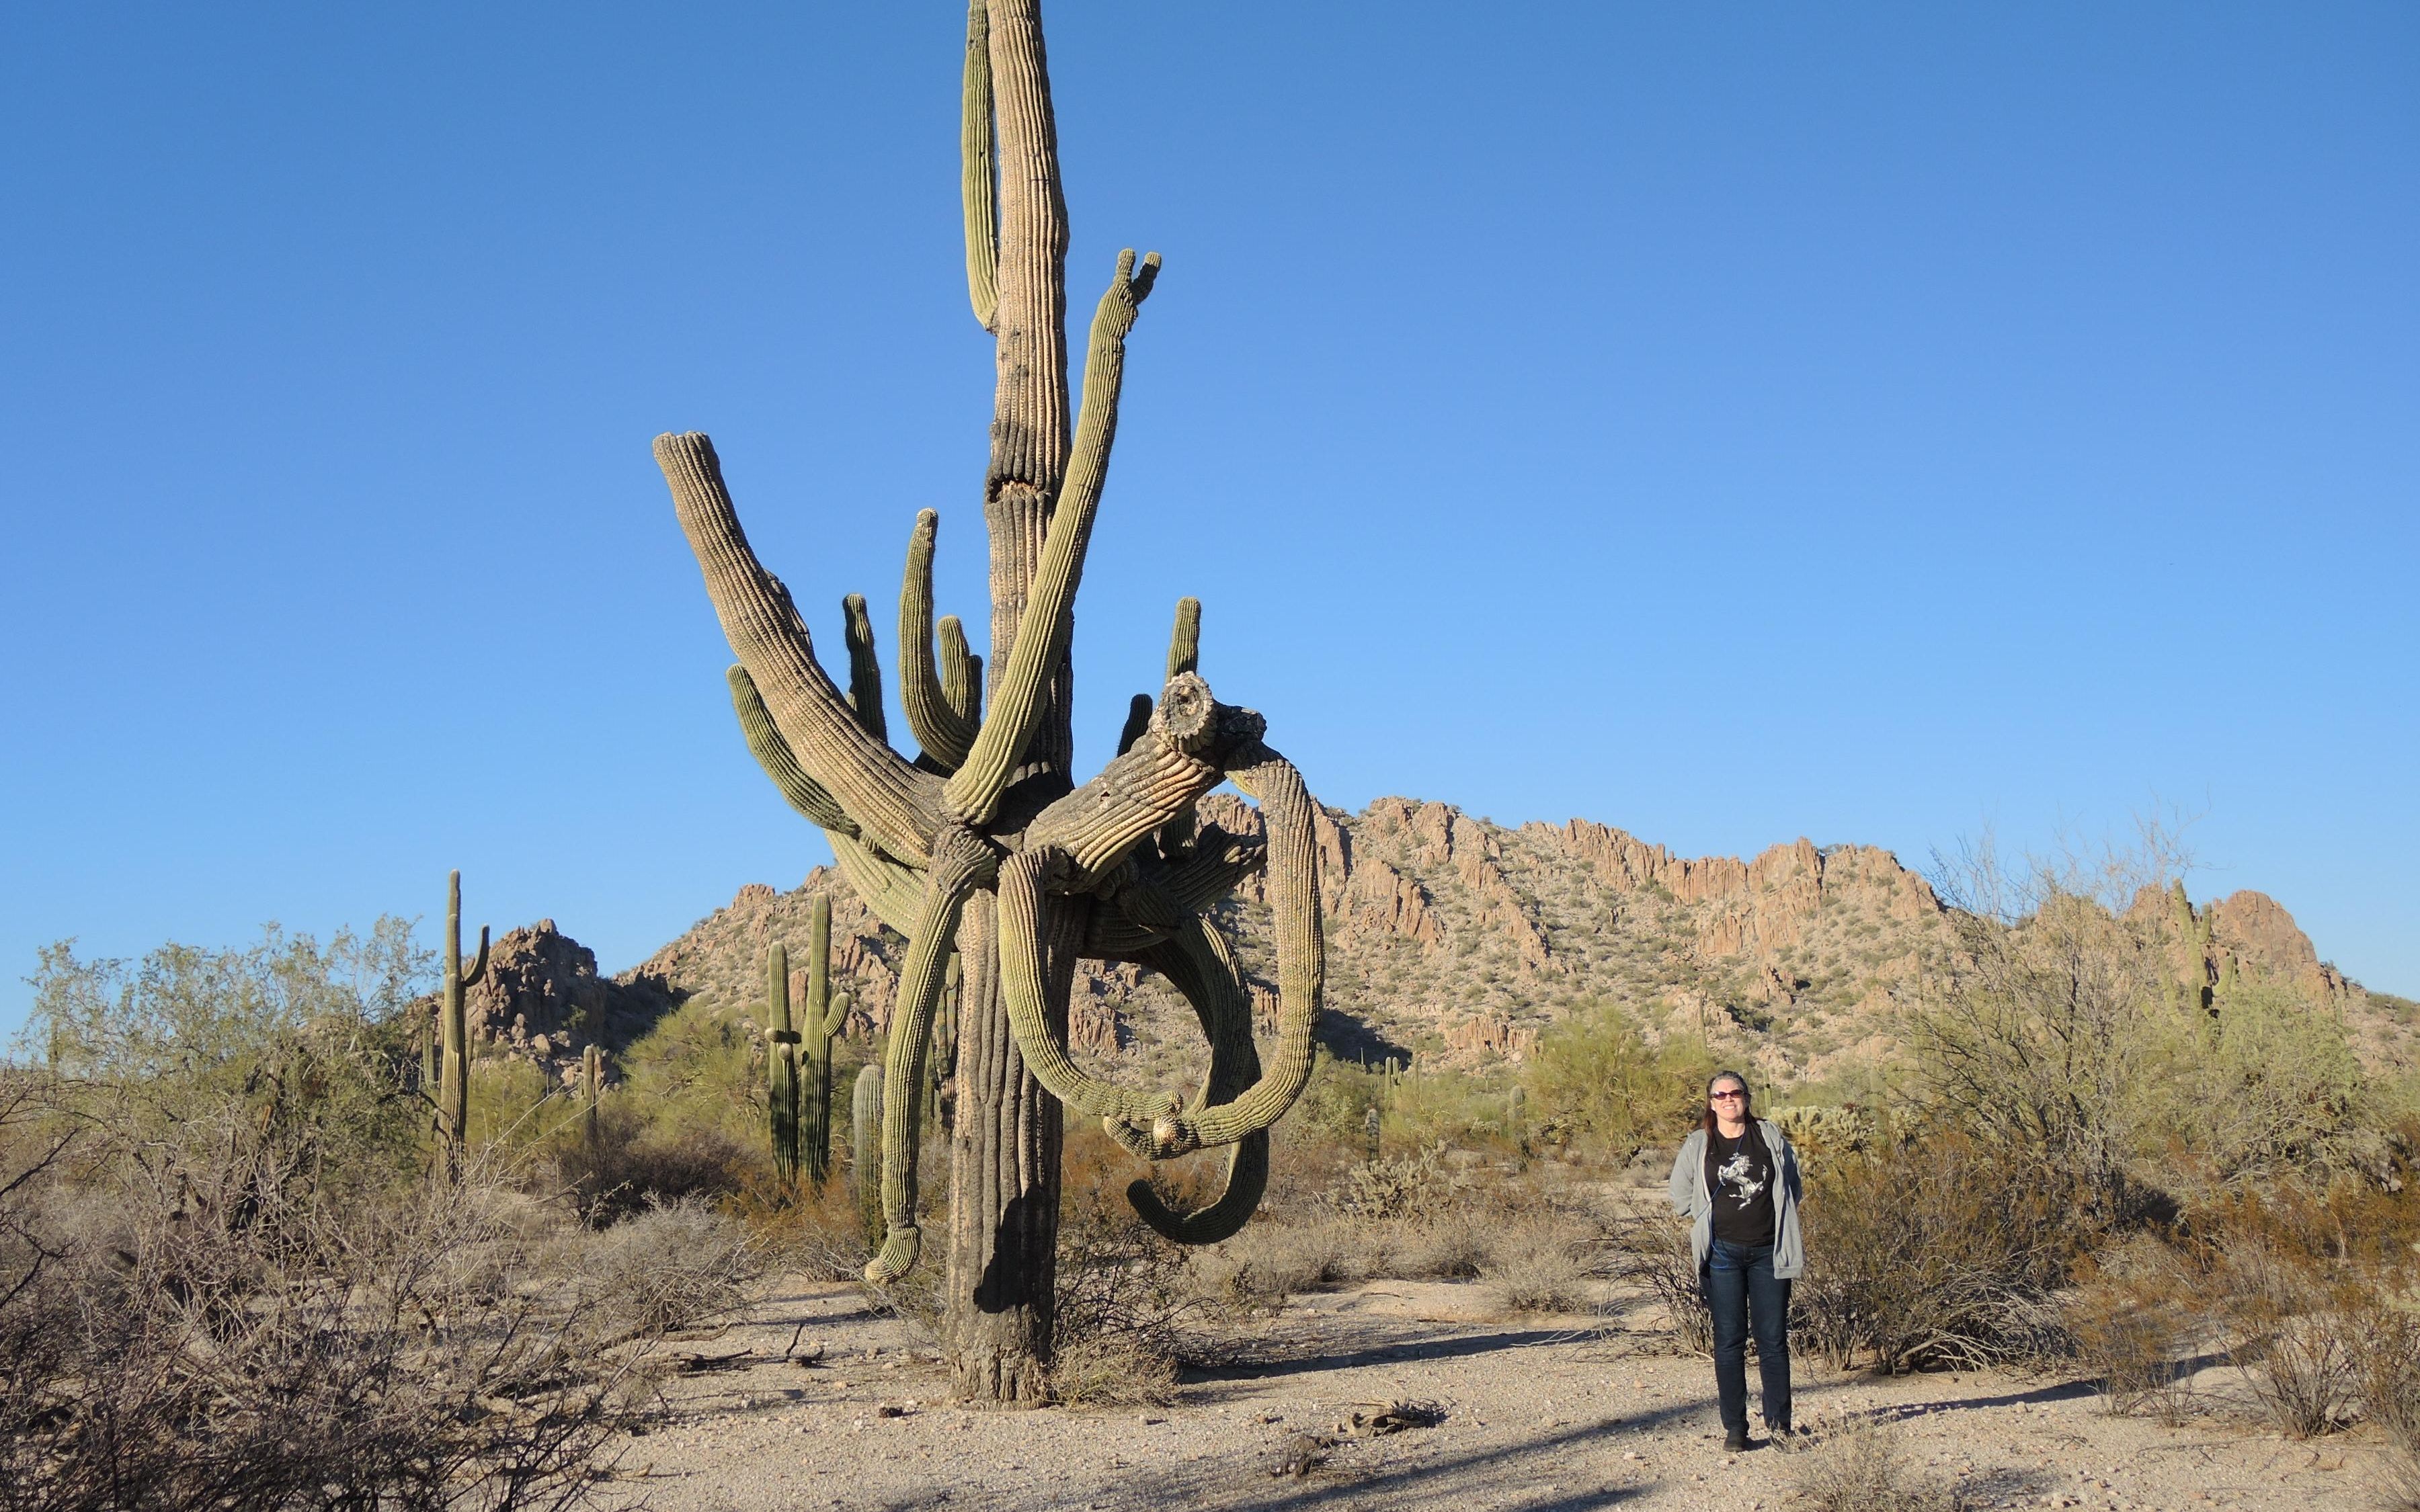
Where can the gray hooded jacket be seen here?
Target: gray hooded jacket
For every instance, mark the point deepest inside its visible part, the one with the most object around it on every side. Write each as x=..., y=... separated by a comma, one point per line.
x=1691, y=1200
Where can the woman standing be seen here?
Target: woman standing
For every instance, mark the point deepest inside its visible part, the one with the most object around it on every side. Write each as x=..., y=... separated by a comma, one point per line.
x=1736, y=1180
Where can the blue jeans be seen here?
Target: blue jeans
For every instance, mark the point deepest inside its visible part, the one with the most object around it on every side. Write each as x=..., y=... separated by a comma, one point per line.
x=1743, y=1291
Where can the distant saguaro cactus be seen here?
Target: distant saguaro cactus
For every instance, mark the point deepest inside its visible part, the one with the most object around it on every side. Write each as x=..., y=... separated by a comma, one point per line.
x=1370, y=1126
x=592, y=1087
x=984, y=844
x=827, y=1010
x=780, y=1067
x=453, y=1073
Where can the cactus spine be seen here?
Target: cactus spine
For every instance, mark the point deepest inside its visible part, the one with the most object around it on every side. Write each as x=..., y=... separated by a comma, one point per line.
x=827, y=1010
x=780, y=1067
x=454, y=1073
x=865, y=1148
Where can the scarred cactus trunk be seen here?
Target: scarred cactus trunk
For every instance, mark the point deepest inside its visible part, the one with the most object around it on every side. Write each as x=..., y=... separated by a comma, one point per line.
x=982, y=850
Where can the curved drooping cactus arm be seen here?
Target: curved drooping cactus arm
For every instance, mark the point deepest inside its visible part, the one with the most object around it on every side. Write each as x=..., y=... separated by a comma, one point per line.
x=894, y=804
x=975, y=170
x=961, y=676
x=894, y=892
x=1219, y=862
x=1197, y=963
x=1043, y=633
x=1025, y=923
x=933, y=717
x=1287, y=809
x=781, y=764
x=961, y=862
x=864, y=668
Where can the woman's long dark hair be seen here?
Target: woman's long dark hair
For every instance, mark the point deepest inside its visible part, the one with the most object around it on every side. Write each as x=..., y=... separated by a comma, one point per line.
x=1706, y=1108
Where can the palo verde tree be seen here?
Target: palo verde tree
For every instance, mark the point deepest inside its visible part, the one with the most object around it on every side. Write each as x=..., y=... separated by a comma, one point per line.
x=983, y=841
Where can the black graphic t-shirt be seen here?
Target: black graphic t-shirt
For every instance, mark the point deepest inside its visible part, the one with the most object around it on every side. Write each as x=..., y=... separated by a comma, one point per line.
x=1739, y=1174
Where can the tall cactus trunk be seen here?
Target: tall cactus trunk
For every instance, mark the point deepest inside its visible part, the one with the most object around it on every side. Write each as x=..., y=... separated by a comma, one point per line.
x=823, y=1018
x=592, y=1087
x=453, y=1073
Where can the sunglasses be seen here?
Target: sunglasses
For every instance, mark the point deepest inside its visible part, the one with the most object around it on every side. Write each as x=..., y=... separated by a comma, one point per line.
x=1725, y=1097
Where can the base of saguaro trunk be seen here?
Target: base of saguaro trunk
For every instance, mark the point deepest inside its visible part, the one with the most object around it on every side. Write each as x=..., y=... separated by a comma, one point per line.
x=1003, y=1194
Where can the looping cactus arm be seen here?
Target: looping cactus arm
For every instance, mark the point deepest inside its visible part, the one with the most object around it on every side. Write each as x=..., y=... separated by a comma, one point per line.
x=975, y=170
x=864, y=668
x=1048, y=624
x=896, y=805
x=1287, y=809
x=1024, y=925
x=961, y=861
x=1197, y=963
x=933, y=717
x=961, y=676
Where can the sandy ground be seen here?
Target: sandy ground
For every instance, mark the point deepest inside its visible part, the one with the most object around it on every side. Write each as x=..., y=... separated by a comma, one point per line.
x=1535, y=1417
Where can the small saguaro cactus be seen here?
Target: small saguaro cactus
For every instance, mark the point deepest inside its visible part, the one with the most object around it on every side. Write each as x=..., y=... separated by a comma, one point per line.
x=1370, y=1123
x=453, y=1073
x=1516, y=1127
x=780, y=1067
x=592, y=1087
x=865, y=1148
x=826, y=1012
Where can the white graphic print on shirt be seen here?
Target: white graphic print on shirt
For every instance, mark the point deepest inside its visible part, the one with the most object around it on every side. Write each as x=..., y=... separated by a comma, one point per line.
x=1739, y=1174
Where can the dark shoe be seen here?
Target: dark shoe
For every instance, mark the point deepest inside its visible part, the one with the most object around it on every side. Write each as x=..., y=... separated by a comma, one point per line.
x=1735, y=1439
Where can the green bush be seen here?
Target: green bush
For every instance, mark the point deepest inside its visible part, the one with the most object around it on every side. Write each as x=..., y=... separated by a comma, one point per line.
x=1595, y=1085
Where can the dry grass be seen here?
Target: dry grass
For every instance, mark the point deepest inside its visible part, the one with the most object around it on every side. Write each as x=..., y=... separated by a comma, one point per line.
x=1859, y=1466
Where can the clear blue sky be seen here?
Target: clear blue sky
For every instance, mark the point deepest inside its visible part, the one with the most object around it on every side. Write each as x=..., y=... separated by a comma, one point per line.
x=1729, y=422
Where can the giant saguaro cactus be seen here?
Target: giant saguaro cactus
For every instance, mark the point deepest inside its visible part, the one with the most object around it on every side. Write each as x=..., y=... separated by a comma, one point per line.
x=983, y=842
x=454, y=1069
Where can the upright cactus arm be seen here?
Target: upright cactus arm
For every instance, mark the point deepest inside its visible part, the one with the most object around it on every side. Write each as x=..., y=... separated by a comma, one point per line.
x=933, y=715
x=836, y=1014
x=894, y=805
x=975, y=171
x=818, y=962
x=1138, y=720
x=780, y=1064
x=961, y=676
x=961, y=862
x=1049, y=623
x=1184, y=639
x=864, y=668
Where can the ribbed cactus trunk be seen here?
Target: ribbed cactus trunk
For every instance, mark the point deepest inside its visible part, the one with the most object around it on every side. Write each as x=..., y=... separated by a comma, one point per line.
x=454, y=1071
x=826, y=1012
x=981, y=846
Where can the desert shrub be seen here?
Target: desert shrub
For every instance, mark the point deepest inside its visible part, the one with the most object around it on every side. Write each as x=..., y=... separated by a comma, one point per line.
x=1595, y=1083
x=1541, y=1265
x=2293, y=1325
x=1860, y=1466
x=2135, y=1314
x=672, y=1266
x=1405, y=1186
x=1126, y=1299
x=182, y=1327
x=1938, y=1250
x=1650, y=1251
x=701, y=1067
x=1272, y=1259
x=632, y=1166
x=2261, y=1085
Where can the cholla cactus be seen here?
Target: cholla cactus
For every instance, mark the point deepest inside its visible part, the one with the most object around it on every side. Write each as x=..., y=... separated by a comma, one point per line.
x=984, y=843
x=454, y=1070
x=1822, y=1134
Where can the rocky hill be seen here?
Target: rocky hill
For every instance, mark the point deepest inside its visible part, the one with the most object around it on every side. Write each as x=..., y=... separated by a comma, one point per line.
x=1451, y=940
